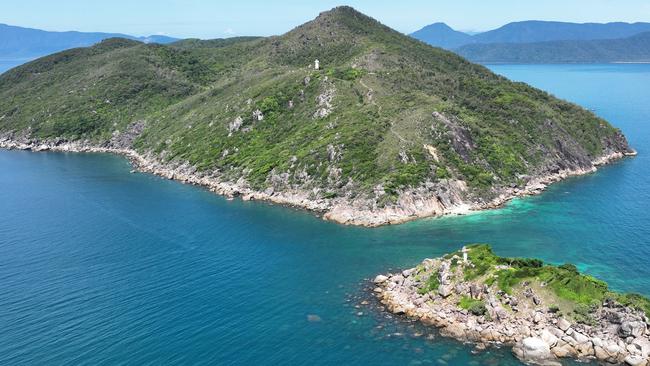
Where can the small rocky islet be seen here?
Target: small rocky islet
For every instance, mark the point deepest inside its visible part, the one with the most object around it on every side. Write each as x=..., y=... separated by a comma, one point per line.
x=545, y=312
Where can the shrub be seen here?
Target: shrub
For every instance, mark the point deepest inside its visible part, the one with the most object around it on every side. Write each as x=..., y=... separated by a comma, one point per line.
x=330, y=195
x=523, y=262
x=442, y=173
x=269, y=104
x=583, y=314
x=345, y=73
x=569, y=267
x=483, y=260
x=476, y=307
x=406, y=175
x=553, y=309
x=431, y=284
x=568, y=284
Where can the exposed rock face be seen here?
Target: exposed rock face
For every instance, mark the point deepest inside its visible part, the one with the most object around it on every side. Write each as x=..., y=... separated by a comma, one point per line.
x=324, y=101
x=632, y=329
x=235, y=125
x=537, y=334
x=122, y=140
x=381, y=279
x=258, y=115
x=460, y=136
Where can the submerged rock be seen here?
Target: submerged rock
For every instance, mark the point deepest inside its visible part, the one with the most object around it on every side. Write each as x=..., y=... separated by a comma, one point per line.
x=313, y=318
x=380, y=279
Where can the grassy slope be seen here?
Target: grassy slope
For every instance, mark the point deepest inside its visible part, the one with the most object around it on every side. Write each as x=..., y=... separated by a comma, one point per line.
x=89, y=92
x=386, y=87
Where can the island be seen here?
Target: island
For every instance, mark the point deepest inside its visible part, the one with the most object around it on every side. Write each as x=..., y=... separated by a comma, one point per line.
x=544, y=312
x=341, y=116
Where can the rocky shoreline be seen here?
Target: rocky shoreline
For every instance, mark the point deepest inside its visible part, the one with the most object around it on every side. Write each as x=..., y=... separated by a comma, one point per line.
x=410, y=206
x=526, y=318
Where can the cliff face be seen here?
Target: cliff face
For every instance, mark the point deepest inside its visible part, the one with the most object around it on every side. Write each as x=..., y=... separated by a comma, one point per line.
x=387, y=129
x=544, y=312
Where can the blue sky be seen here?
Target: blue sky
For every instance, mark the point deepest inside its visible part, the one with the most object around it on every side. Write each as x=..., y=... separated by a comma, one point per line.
x=216, y=19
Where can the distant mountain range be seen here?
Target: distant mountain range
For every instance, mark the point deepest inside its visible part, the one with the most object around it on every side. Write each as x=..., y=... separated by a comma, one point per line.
x=518, y=42
x=443, y=36
x=545, y=42
x=28, y=43
x=630, y=49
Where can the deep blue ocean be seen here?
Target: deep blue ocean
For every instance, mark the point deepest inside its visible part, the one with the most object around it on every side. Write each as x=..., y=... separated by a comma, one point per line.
x=6, y=64
x=102, y=267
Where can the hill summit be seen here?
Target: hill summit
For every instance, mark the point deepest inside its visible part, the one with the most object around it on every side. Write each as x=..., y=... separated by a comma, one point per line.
x=341, y=115
x=442, y=35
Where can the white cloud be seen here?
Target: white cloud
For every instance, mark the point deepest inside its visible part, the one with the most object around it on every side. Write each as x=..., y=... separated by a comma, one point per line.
x=229, y=31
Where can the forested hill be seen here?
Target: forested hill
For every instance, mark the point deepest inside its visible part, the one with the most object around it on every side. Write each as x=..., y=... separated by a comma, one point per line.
x=384, y=123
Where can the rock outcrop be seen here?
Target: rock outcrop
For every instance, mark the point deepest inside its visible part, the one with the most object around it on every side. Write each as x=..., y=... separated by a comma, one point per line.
x=535, y=350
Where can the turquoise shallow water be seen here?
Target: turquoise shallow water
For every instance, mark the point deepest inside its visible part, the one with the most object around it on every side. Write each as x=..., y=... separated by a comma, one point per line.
x=102, y=267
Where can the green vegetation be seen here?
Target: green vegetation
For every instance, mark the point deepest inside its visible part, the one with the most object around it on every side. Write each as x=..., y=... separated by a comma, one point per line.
x=584, y=313
x=431, y=284
x=442, y=173
x=632, y=300
x=362, y=121
x=565, y=281
x=346, y=74
x=476, y=307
